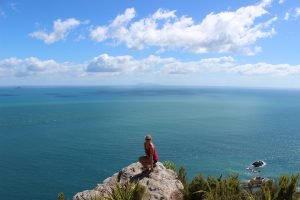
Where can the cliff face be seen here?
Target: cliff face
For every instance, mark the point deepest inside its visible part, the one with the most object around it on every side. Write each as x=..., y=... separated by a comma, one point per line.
x=161, y=184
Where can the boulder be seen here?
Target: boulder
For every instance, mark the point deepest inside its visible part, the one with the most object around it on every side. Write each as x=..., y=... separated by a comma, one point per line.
x=161, y=184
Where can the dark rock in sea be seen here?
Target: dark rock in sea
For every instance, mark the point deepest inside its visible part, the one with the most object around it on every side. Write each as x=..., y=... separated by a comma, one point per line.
x=258, y=163
x=257, y=181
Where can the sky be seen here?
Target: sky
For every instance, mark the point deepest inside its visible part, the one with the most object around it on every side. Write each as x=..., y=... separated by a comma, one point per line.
x=250, y=43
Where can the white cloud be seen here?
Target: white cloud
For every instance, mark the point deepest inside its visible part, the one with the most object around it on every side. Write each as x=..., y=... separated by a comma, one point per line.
x=287, y=16
x=60, y=30
x=28, y=66
x=198, y=66
x=155, y=64
x=99, y=34
x=126, y=66
x=292, y=13
x=281, y=1
x=34, y=66
x=297, y=12
x=164, y=14
x=123, y=19
x=227, y=64
x=105, y=63
x=10, y=62
x=235, y=31
x=267, y=69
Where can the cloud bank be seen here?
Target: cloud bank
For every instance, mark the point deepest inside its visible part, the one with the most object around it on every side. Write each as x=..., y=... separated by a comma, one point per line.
x=120, y=68
x=33, y=66
x=152, y=65
x=156, y=64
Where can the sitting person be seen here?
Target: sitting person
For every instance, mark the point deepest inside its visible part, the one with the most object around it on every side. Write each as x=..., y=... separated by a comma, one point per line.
x=151, y=157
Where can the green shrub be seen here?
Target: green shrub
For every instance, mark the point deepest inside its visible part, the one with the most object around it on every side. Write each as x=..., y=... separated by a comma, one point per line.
x=182, y=176
x=61, y=196
x=285, y=190
x=170, y=165
x=217, y=189
x=127, y=191
x=230, y=188
x=287, y=187
x=267, y=190
x=197, y=187
x=224, y=189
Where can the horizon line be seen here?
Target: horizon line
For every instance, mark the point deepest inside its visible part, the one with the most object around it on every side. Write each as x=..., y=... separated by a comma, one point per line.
x=154, y=86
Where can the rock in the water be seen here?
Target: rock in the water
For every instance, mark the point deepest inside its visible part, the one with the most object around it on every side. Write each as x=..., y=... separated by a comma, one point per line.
x=258, y=163
x=257, y=181
x=161, y=184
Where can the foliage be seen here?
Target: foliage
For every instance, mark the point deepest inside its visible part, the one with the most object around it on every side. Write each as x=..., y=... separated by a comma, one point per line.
x=170, y=165
x=197, y=187
x=224, y=189
x=182, y=176
x=286, y=189
x=230, y=188
x=61, y=196
x=212, y=188
x=127, y=191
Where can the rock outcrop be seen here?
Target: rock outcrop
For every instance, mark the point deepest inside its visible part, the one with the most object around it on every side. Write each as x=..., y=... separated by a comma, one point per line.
x=161, y=184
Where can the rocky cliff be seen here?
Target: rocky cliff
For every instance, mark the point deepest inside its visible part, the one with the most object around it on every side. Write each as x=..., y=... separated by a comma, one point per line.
x=161, y=184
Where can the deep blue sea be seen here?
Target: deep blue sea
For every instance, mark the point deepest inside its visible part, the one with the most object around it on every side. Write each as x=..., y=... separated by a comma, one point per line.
x=68, y=139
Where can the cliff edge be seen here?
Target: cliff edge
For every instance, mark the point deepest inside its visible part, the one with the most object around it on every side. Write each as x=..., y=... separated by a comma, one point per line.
x=160, y=184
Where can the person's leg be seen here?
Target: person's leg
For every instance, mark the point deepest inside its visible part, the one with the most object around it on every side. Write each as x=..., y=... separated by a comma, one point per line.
x=144, y=160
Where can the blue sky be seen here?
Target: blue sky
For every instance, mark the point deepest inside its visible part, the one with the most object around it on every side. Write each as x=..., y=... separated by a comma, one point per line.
x=171, y=42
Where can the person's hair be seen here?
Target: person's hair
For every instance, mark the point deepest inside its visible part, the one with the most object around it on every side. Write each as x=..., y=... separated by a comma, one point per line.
x=148, y=137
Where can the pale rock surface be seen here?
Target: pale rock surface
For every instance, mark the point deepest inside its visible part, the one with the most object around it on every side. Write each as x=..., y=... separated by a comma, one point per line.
x=161, y=184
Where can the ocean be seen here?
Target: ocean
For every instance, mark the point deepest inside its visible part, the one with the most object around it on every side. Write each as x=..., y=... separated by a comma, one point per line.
x=68, y=139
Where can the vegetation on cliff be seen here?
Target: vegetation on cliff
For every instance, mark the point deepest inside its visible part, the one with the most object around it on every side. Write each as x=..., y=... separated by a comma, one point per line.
x=230, y=188
x=212, y=188
x=127, y=191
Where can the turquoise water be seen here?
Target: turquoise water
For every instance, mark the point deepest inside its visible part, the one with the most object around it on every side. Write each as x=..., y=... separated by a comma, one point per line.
x=71, y=138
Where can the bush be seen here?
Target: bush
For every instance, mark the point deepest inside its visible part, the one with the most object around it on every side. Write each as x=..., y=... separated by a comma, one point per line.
x=127, y=191
x=197, y=187
x=182, y=176
x=285, y=190
x=230, y=189
x=61, y=196
x=170, y=165
x=226, y=189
